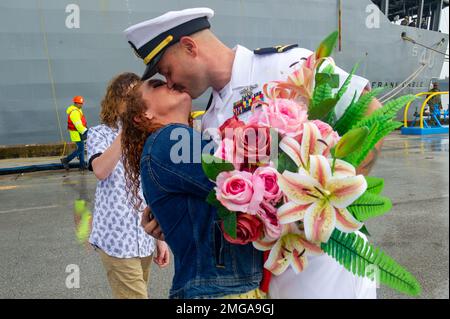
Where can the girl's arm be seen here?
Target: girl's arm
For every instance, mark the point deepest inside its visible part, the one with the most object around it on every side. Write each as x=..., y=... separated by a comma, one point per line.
x=104, y=164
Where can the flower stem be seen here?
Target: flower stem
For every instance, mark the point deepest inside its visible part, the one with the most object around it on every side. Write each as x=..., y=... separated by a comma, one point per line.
x=333, y=166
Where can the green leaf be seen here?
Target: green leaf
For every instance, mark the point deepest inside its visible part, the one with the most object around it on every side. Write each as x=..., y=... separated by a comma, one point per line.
x=359, y=257
x=285, y=163
x=322, y=110
x=212, y=199
x=370, y=205
x=213, y=166
x=325, y=78
x=330, y=119
x=223, y=212
x=351, y=142
x=356, y=158
x=326, y=47
x=375, y=185
x=229, y=221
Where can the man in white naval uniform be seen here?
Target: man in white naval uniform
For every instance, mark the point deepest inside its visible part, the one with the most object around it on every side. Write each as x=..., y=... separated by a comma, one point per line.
x=193, y=61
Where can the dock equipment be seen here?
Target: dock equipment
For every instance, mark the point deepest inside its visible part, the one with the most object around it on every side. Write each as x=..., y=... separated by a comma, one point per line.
x=424, y=127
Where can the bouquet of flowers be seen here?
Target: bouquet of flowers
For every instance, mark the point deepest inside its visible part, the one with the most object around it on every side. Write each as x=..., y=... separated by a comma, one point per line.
x=287, y=180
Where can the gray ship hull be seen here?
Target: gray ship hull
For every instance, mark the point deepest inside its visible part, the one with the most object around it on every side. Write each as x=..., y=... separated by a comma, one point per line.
x=43, y=63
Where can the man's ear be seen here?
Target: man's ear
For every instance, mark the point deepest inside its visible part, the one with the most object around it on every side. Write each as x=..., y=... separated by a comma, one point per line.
x=189, y=45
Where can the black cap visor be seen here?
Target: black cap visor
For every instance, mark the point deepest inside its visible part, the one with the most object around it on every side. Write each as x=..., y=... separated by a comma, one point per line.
x=151, y=68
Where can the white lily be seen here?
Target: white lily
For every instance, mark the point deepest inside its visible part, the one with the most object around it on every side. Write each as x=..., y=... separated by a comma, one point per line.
x=320, y=199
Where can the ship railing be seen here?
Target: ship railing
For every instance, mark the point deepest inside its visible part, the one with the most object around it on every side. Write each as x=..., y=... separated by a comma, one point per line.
x=430, y=95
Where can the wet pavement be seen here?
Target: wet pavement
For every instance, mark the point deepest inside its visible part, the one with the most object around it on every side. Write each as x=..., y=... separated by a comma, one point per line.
x=38, y=245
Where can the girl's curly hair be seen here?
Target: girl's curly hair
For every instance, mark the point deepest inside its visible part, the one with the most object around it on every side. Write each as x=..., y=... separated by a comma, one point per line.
x=135, y=130
x=116, y=93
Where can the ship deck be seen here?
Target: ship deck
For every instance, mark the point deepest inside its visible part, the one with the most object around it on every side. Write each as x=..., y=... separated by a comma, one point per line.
x=37, y=240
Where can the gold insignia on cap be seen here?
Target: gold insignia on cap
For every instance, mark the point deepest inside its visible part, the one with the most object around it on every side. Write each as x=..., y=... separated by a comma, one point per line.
x=158, y=49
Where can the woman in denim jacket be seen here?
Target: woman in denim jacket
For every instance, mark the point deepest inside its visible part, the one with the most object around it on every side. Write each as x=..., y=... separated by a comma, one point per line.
x=159, y=146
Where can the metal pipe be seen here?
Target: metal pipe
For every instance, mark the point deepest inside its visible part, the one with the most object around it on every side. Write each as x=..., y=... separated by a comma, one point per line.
x=340, y=24
x=437, y=15
x=385, y=7
x=419, y=21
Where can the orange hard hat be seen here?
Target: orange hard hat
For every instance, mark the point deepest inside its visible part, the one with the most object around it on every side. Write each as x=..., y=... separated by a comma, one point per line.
x=78, y=100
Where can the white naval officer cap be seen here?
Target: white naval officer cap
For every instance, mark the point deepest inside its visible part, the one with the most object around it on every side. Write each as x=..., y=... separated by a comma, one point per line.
x=151, y=38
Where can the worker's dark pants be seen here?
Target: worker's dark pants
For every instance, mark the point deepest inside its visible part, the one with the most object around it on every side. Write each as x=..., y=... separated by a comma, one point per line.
x=79, y=152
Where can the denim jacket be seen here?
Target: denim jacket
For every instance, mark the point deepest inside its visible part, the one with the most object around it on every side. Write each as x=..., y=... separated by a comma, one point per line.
x=206, y=265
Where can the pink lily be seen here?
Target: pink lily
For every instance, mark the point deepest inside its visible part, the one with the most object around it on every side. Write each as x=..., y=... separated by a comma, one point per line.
x=320, y=199
x=291, y=249
x=312, y=143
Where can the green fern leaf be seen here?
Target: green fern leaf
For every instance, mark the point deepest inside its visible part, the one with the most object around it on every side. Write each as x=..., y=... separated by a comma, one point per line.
x=329, y=69
x=322, y=103
x=391, y=108
x=358, y=256
x=321, y=93
x=375, y=185
x=382, y=130
x=387, y=112
x=364, y=230
x=386, y=128
x=346, y=84
x=355, y=112
x=345, y=122
x=369, y=205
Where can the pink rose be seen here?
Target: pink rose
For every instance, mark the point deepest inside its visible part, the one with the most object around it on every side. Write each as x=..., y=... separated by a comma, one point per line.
x=227, y=152
x=249, y=229
x=252, y=143
x=268, y=214
x=230, y=124
x=287, y=116
x=240, y=191
x=272, y=192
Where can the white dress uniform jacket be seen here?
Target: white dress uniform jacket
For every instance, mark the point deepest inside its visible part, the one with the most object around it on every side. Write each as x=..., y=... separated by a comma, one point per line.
x=324, y=277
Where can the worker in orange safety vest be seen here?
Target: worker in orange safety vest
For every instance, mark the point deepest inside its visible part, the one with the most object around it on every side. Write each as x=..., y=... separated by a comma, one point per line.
x=77, y=126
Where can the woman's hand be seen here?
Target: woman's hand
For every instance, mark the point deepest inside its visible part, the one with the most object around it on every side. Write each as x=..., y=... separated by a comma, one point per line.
x=162, y=258
x=150, y=225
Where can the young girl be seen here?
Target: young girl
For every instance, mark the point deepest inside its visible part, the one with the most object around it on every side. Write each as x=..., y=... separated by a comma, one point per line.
x=155, y=126
x=125, y=249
